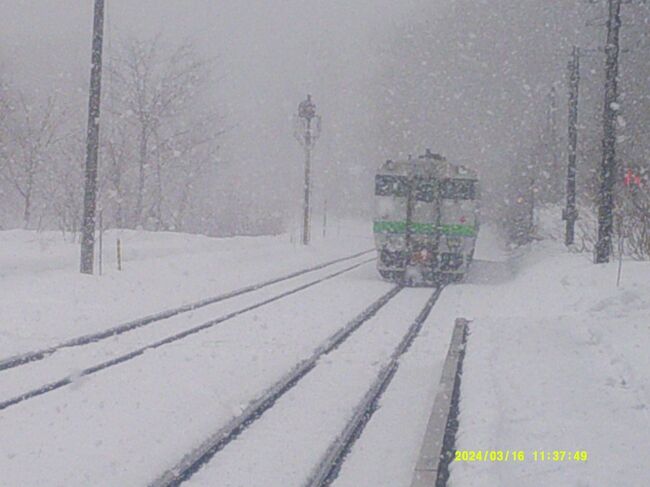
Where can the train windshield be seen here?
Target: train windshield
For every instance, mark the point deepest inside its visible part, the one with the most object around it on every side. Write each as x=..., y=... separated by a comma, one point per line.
x=424, y=190
x=459, y=189
x=391, y=186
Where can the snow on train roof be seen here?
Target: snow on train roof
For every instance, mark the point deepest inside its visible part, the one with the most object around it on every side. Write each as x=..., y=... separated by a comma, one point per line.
x=440, y=168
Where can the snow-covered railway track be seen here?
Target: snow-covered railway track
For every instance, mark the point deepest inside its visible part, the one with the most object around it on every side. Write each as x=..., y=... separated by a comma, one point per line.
x=38, y=377
x=291, y=398
x=36, y=355
x=328, y=468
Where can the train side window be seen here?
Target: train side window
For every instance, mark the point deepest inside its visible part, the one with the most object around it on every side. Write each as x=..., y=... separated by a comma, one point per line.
x=458, y=189
x=424, y=190
x=391, y=186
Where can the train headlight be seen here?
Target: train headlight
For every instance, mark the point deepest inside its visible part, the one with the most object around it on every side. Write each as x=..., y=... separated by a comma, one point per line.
x=454, y=243
x=421, y=256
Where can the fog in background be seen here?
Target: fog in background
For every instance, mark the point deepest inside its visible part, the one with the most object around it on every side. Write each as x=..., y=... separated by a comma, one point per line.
x=469, y=79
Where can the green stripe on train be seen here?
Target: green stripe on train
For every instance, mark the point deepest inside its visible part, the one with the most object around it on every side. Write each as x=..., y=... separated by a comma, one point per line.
x=461, y=230
x=425, y=229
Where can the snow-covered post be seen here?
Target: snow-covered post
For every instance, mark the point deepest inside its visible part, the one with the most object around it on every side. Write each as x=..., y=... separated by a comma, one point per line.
x=621, y=247
x=325, y=219
x=119, y=255
x=101, y=241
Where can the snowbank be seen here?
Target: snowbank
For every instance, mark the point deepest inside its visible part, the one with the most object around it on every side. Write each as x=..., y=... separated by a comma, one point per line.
x=557, y=361
x=44, y=299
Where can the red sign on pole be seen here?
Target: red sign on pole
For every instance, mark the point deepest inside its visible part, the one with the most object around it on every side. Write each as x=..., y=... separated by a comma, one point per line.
x=632, y=179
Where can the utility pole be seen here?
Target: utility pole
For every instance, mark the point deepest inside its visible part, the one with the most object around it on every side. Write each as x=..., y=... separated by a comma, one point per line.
x=310, y=122
x=570, y=214
x=92, y=143
x=608, y=167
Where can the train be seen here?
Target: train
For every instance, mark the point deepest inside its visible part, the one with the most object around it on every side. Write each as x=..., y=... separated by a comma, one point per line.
x=426, y=219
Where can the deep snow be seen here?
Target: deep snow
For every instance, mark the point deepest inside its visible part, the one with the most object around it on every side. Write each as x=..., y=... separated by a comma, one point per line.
x=556, y=360
x=44, y=300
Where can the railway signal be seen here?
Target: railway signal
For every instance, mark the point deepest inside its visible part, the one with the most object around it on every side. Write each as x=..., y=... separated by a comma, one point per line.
x=307, y=132
x=632, y=180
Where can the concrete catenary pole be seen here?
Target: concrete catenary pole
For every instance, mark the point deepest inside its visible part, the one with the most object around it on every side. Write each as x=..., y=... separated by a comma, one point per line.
x=608, y=167
x=92, y=143
x=570, y=213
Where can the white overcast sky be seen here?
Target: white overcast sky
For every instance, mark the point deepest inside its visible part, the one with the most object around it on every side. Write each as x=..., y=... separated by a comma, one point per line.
x=272, y=52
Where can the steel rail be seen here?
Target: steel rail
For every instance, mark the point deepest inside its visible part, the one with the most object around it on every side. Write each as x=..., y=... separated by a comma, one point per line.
x=170, y=339
x=326, y=471
x=201, y=455
x=27, y=357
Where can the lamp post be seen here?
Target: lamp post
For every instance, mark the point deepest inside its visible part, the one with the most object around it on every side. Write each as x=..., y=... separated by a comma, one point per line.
x=309, y=122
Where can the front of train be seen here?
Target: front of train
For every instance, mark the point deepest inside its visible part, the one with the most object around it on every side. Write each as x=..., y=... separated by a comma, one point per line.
x=426, y=220
x=405, y=224
x=459, y=221
x=389, y=226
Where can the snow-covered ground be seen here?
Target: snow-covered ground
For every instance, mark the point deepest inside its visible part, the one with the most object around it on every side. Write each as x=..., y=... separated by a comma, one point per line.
x=557, y=360
x=284, y=445
x=44, y=300
x=127, y=424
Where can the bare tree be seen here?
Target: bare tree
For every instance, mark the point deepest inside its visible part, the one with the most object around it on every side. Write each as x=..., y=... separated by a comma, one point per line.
x=158, y=97
x=65, y=175
x=32, y=131
x=115, y=172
